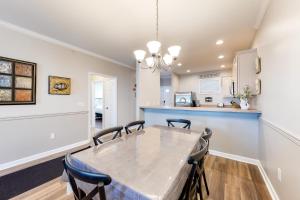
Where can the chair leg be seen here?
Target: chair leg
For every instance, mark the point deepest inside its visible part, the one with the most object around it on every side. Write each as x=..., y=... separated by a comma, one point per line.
x=200, y=188
x=205, y=182
x=102, y=193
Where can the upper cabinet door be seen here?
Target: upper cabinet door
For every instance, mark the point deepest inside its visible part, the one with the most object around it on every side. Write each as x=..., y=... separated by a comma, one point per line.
x=227, y=86
x=243, y=71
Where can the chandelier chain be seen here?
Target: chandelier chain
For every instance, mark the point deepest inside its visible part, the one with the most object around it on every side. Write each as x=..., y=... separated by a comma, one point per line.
x=156, y=20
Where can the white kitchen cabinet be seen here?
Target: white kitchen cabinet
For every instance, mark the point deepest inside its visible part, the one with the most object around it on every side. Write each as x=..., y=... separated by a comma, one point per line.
x=227, y=86
x=243, y=70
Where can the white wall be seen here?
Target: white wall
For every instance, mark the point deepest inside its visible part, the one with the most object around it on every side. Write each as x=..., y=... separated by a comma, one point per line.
x=33, y=136
x=147, y=88
x=278, y=42
x=191, y=82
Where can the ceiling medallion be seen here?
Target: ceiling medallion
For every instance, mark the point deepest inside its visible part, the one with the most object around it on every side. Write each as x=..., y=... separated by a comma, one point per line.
x=156, y=61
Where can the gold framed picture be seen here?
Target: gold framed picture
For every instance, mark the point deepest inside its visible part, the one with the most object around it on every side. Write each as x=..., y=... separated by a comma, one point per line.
x=59, y=85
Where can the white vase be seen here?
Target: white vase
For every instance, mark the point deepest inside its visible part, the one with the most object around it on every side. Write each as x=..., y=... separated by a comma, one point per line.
x=244, y=104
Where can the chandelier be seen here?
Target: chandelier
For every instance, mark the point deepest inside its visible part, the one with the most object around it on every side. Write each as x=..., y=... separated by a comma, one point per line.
x=156, y=61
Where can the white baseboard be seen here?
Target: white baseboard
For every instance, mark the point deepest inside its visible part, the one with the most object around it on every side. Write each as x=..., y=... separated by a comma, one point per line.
x=23, y=163
x=268, y=183
x=256, y=162
x=234, y=157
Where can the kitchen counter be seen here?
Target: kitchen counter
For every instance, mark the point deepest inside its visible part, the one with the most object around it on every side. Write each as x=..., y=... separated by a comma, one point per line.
x=204, y=109
x=232, y=127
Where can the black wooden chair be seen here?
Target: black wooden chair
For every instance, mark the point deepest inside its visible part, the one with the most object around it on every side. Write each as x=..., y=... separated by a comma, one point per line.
x=207, y=135
x=116, y=130
x=187, y=123
x=97, y=179
x=193, y=185
x=139, y=123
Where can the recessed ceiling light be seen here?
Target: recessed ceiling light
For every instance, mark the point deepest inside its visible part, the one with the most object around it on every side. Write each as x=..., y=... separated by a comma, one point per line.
x=179, y=64
x=188, y=71
x=221, y=56
x=219, y=42
x=222, y=66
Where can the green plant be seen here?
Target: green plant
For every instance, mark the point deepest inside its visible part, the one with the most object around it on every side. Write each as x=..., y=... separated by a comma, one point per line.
x=246, y=94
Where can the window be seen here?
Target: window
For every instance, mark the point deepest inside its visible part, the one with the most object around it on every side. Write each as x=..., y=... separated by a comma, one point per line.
x=210, y=86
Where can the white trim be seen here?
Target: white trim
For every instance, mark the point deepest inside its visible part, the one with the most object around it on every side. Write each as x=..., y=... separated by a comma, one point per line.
x=268, y=183
x=90, y=111
x=23, y=163
x=60, y=43
x=234, y=157
x=256, y=162
x=22, y=117
x=285, y=133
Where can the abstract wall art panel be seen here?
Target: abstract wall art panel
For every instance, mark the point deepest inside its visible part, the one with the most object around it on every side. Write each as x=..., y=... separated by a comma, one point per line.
x=23, y=69
x=5, y=95
x=23, y=95
x=5, y=81
x=5, y=67
x=59, y=85
x=17, y=82
x=23, y=82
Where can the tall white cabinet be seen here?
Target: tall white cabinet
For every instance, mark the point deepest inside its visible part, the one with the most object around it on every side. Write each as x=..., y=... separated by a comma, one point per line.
x=244, y=71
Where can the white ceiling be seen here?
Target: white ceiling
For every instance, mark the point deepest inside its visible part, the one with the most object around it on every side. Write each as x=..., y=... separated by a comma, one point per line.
x=114, y=28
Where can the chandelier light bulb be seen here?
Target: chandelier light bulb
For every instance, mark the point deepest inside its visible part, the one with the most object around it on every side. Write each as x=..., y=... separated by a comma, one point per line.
x=154, y=47
x=139, y=55
x=174, y=51
x=168, y=59
x=150, y=61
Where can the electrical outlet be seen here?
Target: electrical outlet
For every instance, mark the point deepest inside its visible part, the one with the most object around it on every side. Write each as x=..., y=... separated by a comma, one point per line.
x=279, y=174
x=52, y=136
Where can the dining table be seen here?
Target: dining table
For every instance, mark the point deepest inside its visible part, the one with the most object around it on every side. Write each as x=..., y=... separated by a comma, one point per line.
x=147, y=164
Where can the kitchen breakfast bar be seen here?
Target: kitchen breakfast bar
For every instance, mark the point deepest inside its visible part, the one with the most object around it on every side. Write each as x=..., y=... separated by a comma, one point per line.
x=233, y=128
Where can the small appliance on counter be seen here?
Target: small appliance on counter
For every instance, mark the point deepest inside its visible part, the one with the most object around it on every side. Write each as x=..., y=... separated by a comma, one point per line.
x=184, y=99
x=220, y=105
x=196, y=103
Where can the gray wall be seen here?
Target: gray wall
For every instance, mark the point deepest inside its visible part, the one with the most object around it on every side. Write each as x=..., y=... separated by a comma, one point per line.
x=30, y=134
x=278, y=42
x=231, y=130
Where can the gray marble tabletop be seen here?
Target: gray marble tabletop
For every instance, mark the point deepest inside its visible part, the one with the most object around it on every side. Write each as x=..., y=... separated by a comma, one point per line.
x=148, y=164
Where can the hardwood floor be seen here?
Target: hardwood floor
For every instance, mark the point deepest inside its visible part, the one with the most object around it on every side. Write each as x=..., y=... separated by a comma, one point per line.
x=227, y=180
x=233, y=180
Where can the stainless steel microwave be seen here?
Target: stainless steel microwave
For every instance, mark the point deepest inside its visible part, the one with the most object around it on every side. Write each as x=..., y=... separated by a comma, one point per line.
x=184, y=98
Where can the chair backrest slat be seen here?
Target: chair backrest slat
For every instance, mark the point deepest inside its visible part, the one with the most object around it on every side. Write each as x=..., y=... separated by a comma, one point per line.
x=187, y=123
x=98, y=135
x=139, y=123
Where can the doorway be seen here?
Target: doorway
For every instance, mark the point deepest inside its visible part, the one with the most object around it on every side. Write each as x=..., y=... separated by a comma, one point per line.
x=103, y=101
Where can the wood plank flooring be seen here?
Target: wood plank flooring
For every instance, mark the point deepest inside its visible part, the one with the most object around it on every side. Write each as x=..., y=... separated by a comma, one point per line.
x=227, y=180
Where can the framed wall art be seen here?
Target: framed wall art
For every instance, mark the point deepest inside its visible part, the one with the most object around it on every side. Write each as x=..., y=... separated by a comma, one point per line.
x=59, y=85
x=17, y=82
x=258, y=86
x=258, y=65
